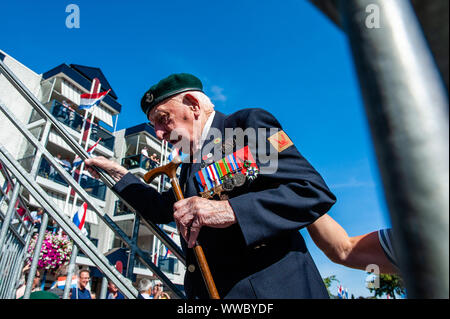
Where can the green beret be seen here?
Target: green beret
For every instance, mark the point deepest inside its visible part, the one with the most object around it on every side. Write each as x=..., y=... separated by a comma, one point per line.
x=168, y=87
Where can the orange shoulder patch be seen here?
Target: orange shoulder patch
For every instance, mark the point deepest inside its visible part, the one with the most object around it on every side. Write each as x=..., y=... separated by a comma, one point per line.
x=280, y=141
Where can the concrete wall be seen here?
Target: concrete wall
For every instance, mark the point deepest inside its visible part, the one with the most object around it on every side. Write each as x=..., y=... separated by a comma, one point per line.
x=10, y=137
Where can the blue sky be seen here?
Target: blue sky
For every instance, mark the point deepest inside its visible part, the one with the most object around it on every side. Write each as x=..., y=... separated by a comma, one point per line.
x=286, y=58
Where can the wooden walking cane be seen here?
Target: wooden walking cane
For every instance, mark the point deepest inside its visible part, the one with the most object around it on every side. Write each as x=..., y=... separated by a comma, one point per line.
x=170, y=170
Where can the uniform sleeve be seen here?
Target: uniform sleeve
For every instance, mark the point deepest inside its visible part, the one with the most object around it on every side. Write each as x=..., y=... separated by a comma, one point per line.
x=290, y=198
x=153, y=206
x=384, y=236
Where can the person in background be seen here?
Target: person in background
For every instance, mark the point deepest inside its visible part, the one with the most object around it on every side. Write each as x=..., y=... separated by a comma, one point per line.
x=145, y=158
x=113, y=291
x=82, y=292
x=144, y=151
x=158, y=292
x=23, y=283
x=37, y=217
x=154, y=159
x=145, y=288
x=354, y=252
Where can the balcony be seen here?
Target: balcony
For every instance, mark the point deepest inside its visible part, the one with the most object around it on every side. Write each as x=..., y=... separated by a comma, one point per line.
x=138, y=161
x=75, y=121
x=92, y=186
x=120, y=209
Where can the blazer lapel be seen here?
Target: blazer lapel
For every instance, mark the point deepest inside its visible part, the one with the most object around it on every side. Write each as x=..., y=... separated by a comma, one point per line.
x=218, y=124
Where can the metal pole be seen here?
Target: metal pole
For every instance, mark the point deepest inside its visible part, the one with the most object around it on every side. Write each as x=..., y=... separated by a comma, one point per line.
x=406, y=107
x=104, y=288
x=69, y=227
x=78, y=149
x=9, y=215
x=70, y=271
x=134, y=238
x=36, y=253
x=154, y=228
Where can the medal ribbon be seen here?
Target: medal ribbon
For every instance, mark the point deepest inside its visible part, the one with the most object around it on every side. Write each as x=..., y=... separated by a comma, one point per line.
x=231, y=163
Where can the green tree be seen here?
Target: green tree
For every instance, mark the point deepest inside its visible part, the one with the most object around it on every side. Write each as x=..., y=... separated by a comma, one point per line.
x=328, y=281
x=389, y=284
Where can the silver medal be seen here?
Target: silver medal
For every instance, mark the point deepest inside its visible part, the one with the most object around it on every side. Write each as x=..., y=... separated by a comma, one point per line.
x=239, y=179
x=228, y=184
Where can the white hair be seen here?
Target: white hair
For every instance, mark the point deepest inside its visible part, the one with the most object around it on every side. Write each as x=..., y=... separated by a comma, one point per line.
x=144, y=285
x=203, y=99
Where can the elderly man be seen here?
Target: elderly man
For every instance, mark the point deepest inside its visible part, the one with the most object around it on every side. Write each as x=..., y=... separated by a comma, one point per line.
x=247, y=193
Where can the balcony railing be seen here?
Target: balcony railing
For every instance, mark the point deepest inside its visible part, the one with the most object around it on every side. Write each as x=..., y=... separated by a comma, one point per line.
x=93, y=187
x=75, y=121
x=120, y=209
x=168, y=265
x=138, y=160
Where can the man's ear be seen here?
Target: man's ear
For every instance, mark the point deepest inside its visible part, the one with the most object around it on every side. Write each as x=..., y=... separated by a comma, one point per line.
x=194, y=104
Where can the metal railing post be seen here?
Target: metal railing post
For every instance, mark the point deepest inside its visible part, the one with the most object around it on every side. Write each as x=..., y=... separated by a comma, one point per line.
x=406, y=105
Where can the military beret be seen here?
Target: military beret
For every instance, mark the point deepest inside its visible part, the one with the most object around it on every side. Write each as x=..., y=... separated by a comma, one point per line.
x=168, y=87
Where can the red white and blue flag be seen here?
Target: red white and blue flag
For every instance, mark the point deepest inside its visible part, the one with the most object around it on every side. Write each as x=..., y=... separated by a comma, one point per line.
x=88, y=100
x=77, y=160
x=340, y=293
x=61, y=283
x=80, y=216
x=168, y=252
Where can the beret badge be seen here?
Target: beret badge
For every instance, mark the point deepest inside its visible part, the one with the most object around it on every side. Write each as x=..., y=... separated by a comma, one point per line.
x=149, y=97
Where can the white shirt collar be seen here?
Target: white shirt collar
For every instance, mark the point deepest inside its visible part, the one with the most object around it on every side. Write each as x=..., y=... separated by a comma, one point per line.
x=206, y=128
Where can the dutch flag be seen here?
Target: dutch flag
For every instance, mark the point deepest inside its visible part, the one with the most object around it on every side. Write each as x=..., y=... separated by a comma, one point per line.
x=61, y=283
x=168, y=252
x=89, y=100
x=340, y=292
x=80, y=216
x=77, y=160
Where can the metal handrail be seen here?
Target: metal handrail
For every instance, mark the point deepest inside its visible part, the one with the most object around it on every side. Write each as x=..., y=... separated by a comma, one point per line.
x=84, y=196
x=69, y=227
x=79, y=150
x=159, y=233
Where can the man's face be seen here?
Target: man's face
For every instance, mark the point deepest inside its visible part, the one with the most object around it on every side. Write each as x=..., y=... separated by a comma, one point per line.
x=112, y=287
x=37, y=279
x=84, y=279
x=174, y=122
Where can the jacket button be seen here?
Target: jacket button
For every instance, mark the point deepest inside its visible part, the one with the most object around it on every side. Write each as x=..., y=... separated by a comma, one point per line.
x=191, y=268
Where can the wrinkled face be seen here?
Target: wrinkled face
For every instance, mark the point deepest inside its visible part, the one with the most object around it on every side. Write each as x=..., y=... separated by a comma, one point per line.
x=175, y=122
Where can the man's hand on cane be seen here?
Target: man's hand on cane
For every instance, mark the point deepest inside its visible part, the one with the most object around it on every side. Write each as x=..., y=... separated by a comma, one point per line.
x=192, y=213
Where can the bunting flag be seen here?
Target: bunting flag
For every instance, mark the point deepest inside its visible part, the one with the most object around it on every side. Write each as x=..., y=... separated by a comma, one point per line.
x=88, y=100
x=168, y=252
x=80, y=216
x=61, y=282
x=77, y=160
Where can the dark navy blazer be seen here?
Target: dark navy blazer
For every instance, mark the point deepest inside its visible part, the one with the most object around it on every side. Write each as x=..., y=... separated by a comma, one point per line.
x=263, y=255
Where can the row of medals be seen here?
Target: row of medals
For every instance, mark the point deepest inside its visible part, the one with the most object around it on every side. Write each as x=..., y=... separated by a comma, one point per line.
x=229, y=181
x=228, y=184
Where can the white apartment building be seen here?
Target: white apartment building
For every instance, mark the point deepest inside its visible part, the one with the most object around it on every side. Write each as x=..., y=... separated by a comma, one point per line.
x=59, y=90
